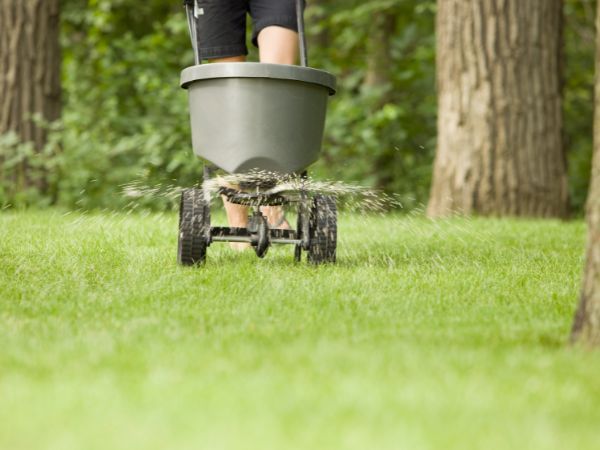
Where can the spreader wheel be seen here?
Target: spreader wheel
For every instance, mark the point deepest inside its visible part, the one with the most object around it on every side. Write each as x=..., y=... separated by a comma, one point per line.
x=299, y=231
x=322, y=230
x=258, y=227
x=194, y=227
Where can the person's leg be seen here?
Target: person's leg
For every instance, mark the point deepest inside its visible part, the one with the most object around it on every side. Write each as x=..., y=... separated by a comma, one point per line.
x=222, y=39
x=240, y=58
x=277, y=40
x=221, y=29
x=278, y=45
x=237, y=215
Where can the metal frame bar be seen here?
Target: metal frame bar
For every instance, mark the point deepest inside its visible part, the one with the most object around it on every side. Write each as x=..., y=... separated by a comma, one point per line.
x=191, y=20
x=234, y=234
x=301, y=34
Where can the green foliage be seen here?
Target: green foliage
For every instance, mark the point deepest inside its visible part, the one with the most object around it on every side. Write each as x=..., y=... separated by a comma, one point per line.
x=382, y=135
x=29, y=177
x=125, y=118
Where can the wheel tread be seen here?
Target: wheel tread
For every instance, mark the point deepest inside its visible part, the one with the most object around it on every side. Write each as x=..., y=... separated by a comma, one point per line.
x=194, y=226
x=323, y=230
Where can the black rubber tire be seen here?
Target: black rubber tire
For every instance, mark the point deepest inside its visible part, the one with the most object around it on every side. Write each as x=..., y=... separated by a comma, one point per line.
x=322, y=230
x=297, y=253
x=298, y=247
x=263, y=238
x=194, y=227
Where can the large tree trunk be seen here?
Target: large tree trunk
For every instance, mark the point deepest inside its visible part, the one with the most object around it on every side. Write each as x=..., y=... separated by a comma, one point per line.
x=500, y=147
x=29, y=71
x=586, y=328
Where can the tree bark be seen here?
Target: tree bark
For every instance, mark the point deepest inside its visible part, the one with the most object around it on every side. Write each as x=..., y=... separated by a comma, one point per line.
x=378, y=76
x=500, y=146
x=586, y=327
x=379, y=49
x=29, y=71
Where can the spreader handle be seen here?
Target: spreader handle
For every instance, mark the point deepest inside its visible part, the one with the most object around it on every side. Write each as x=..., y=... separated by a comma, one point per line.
x=301, y=35
x=192, y=27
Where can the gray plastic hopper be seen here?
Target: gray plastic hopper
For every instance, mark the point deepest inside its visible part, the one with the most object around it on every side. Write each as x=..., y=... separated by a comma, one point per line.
x=259, y=116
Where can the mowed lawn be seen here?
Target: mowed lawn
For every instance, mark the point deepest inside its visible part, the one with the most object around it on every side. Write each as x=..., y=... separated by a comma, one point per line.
x=425, y=335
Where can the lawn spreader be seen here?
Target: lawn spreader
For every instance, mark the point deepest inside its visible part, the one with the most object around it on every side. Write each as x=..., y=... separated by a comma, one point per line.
x=257, y=118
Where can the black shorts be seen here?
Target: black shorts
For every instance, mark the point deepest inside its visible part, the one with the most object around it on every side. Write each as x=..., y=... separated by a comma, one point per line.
x=222, y=24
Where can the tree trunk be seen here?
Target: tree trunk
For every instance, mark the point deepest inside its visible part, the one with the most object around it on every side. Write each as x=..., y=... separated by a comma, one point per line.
x=378, y=77
x=379, y=58
x=500, y=147
x=586, y=328
x=316, y=13
x=29, y=71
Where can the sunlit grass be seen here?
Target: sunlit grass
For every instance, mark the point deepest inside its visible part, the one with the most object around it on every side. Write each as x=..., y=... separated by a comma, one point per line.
x=425, y=335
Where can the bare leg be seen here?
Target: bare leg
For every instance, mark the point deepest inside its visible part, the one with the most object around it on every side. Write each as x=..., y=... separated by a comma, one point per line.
x=237, y=215
x=240, y=58
x=277, y=45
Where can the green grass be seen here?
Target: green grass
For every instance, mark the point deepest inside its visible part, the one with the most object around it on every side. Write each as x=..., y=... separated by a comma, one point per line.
x=425, y=335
